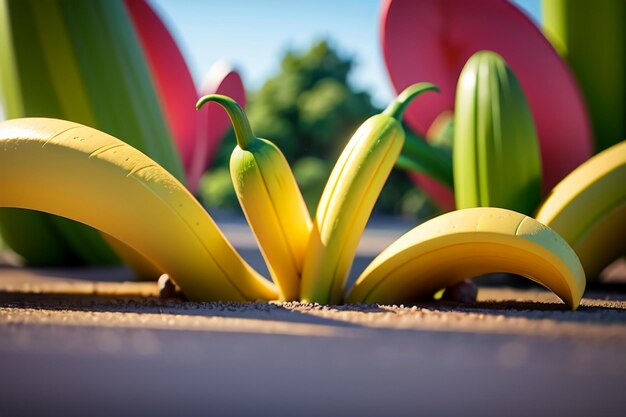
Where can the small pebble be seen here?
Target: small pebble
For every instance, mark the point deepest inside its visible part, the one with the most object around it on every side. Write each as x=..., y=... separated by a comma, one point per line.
x=168, y=290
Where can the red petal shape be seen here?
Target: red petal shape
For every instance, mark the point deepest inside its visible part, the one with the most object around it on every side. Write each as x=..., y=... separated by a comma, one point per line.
x=174, y=84
x=221, y=79
x=430, y=40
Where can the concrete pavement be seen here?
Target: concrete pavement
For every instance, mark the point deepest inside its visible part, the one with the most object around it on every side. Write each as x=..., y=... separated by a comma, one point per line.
x=91, y=342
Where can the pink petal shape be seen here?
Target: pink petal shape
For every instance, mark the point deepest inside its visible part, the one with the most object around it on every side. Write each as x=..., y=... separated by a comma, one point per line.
x=430, y=40
x=221, y=79
x=173, y=81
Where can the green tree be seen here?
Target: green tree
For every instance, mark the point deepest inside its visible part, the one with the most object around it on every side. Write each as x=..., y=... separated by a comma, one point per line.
x=310, y=111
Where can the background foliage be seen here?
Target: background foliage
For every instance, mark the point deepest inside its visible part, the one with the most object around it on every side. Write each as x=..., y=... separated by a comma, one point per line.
x=310, y=111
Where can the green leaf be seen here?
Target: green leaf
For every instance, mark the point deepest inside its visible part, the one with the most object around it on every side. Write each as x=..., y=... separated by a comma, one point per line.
x=422, y=157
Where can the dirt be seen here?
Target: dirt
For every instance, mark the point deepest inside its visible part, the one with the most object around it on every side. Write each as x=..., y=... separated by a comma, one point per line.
x=77, y=342
x=100, y=347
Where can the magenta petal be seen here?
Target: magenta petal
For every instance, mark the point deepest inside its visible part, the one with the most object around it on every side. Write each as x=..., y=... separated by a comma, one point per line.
x=430, y=40
x=221, y=79
x=173, y=82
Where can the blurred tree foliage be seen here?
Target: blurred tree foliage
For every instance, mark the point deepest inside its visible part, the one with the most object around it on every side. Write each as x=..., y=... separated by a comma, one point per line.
x=310, y=111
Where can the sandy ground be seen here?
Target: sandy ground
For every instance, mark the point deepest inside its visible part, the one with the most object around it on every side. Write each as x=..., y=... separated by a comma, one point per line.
x=93, y=342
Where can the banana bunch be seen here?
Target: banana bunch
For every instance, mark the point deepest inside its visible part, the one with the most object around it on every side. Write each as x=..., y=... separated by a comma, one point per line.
x=70, y=170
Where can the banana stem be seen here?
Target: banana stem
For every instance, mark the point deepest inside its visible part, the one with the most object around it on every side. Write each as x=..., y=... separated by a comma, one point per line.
x=243, y=131
x=397, y=107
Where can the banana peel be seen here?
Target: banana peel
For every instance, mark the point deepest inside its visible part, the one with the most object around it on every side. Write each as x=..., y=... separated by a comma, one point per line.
x=77, y=61
x=270, y=198
x=588, y=208
x=78, y=172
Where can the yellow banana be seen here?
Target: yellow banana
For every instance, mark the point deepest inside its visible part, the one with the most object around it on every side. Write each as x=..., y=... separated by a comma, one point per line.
x=270, y=198
x=588, y=208
x=348, y=199
x=79, y=61
x=466, y=243
x=77, y=172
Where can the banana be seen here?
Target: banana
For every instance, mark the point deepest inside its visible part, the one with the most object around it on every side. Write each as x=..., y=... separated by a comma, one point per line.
x=34, y=236
x=496, y=158
x=348, y=199
x=74, y=171
x=588, y=208
x=463, y=244
x=270, y=198
x=79, y=61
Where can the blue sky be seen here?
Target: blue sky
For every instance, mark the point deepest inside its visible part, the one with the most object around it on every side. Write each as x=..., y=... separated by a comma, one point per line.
x=254, y=34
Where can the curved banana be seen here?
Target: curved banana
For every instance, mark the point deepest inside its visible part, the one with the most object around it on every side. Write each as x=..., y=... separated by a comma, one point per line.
x=34, y=83
x=466, y=243
x=270, y=198
x=80, y=62
x=348, y=199
x=588, y=208
x=83, y=174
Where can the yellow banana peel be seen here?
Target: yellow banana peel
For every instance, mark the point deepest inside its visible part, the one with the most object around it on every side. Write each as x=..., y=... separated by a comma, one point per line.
x=270, y=198
x=464, y=244
x=588, y=208
x=77, y=172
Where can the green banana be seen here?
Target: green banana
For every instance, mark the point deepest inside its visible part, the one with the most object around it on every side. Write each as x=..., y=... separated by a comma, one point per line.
x=79, y=61
x=588, y=208
x=496, y=152
x=348, y=199
x=270, y=198
x=464, y=244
